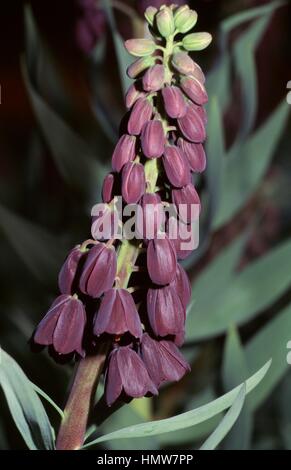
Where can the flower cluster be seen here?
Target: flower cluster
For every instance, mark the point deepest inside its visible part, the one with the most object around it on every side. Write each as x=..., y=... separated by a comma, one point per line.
x=138, y=290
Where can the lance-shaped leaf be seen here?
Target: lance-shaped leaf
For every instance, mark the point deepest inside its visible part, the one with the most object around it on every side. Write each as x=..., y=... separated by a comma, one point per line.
x=25, y=406
x=184, y=420
x=227, y=422
x=247, y=294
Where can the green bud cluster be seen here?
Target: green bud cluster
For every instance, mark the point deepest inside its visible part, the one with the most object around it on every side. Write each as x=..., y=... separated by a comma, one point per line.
x=169, y=23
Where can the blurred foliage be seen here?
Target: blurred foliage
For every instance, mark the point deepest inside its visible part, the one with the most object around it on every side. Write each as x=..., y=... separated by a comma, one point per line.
x=240, y=314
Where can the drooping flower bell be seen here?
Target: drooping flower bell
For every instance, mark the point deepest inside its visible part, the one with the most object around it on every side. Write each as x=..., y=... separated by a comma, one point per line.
x=150, y=216
x=182, y=286
x=192, y=125
x=126, y=373
x=117, y=315
x=153, y=139
x=67, y=274
x=176, y=166
x=99, y=270
x=161, y=260
x=63, y=326
x=107, y=188
x=187, y=202
x=163, y=360
x=165, y=311
x=195, y=155
x=140, y=114
x=133, y=182
x=175, y=104
x=124, y=152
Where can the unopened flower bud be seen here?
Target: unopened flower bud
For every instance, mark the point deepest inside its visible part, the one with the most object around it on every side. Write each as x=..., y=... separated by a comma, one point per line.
x=140, y=114
x=150, y=14
x=139, y=65
x=151, y=216
x=107, y=188
x=63, y=326
x=175, y=104
x=154, y=77
x=187, y=203
x=195, y=155
x=165, y=22
x=192, y=125
x=99, y=270
x=117, y=315
x=161, y=261
x=67, y=275
x=132, y=95
x=176, y=166
x=194, y=90
x=124, y=152
x=163, y=360
x=126, y=373
x=185, y=19
x=165, y=311
x=196, y=41
x=133, y=182
x=153, y=139
x=183, y=63
x=140, y=47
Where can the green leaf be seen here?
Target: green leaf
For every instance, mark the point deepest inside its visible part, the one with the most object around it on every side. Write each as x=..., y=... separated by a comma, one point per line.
x=244, y=59
x=272, y=341
x=25, y=406
x=42, y=394
x=250, y=14
x=234, y=370
x=127, y=414
x=184, y=420
x=39, y=250
x=227, y=422
x=72, y=157
x=250, y=292
x=247, y=163
x=123, y=57
x=194, y=433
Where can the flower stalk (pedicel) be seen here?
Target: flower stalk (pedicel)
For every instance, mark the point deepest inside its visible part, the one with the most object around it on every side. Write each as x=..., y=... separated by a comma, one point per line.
x=105, y=281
